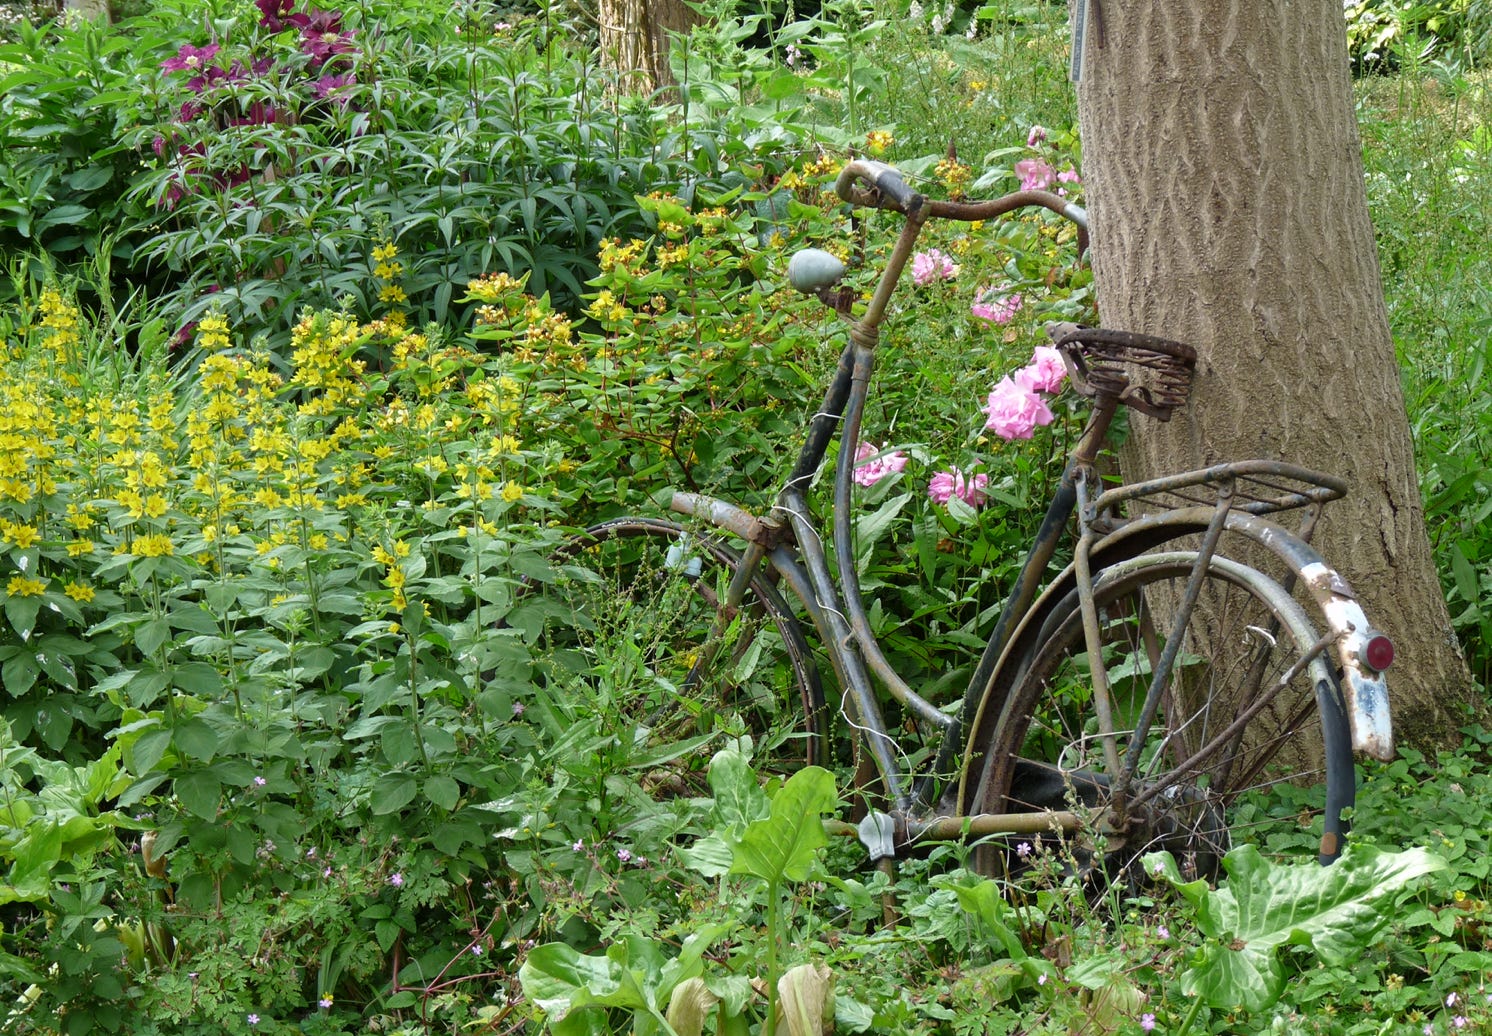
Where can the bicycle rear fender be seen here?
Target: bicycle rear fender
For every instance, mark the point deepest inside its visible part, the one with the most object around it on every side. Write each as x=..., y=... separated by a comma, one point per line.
x=1365, y=688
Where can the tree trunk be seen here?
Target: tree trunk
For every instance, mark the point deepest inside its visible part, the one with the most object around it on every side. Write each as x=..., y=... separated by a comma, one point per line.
x=1224, y=178
x=635, y=36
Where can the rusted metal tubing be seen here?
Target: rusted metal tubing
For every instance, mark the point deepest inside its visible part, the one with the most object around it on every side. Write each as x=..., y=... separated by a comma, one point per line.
x=981, y=824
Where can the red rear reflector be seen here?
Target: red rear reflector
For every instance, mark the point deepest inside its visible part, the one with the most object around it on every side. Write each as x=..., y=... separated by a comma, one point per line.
x=1378, y=652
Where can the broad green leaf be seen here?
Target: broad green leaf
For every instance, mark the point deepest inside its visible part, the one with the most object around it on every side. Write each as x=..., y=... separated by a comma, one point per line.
x=986, y=902
x=1336, y=910
x=782, y=845
x=196, y=738
x=739, y=799
x=442, y=791
x=392, y=792
x=199, y=792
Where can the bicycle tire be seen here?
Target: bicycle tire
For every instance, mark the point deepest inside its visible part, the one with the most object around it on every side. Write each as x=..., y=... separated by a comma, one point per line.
x=1245, y=711
x=623, y=618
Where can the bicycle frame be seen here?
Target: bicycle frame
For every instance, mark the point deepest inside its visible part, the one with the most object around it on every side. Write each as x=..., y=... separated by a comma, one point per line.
x=787, y=540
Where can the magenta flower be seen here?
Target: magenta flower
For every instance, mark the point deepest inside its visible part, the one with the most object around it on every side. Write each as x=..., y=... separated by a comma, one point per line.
x=1015, y=411
x=1035, y=174
x=932, y=265
x=327, y=86
x=190, y=58
x=1036, y=136
x=869, y=471
x=1147, y=1022
x=996, y=309
x=954, y=483
x=1045, y=373
x=1069, y=176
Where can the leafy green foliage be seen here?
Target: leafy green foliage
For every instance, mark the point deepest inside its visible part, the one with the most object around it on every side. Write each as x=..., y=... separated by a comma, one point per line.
x=1335, y=911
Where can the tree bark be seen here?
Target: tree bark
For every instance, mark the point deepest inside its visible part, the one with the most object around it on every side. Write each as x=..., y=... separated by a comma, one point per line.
x=1224, y=179
x=635, y=37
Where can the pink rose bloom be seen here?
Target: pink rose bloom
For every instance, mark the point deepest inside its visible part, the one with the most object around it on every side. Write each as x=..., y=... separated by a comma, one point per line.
x=1014, y=410
x=1000, y=310
x=1035, y=174
x=868, y=472
x=1045, y=373
x=932, y=265
x=947, y=484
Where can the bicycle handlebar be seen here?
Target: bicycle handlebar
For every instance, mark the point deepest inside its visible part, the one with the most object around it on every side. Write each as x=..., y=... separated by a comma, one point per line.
x=890, y=191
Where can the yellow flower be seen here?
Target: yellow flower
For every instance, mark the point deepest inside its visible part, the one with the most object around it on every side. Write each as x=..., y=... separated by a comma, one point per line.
x=79, y=592
x=385, y=251
x=21, y=536
x=512, y=491
x=153, y=545
x=392, y=293
x=77, y=548
x=155, y=506
x=24, y=586
x=212, y=333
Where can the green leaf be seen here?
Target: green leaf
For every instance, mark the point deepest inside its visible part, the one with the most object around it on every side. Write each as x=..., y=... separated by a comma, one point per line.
x=392, y=792
x=1336, y=910
x=199, y=792
x=987, y=902
x=783, y=844
x=196, y=738
x=739, y=799
x=442, y=791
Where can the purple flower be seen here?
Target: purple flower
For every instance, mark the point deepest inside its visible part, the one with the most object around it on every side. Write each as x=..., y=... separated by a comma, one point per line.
x=1014, y=411
x=396, y=879
x=325, y=1003
x=1163, y=932
x=947, y=484
x=519, y=708
x=1036, y=136
x=579, y=846
x=1024, y=848
x=260, y=782
x=1045, y=372
x=1035, y=174
x=327, y=86
x=253, y=1019
x=998, y=309
x=276, y=14
x=1147, y=1022
x=624, y=855
x=190, y=58
x=932, y=265
x=869, y=471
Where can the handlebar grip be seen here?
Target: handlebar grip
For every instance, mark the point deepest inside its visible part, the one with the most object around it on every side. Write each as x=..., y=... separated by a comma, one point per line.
x=894, y=192
x=889, y=182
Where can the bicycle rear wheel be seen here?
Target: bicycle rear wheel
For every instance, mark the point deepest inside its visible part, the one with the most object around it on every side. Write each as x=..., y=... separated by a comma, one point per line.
x=625, y=622
x=1250, y=704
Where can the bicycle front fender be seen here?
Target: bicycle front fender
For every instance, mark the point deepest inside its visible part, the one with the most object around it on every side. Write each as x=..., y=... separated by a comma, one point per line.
x=1364, y=687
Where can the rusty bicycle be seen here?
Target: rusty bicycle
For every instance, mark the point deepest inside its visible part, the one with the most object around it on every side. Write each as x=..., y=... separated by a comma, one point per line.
x=1193, y=650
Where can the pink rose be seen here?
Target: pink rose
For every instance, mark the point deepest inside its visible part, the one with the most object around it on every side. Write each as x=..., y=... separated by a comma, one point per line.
x=998, y=311
x=1035, y=174
x=1045, y=373
x=947, y=484
x=869, y=471
x=1014, y=410
x=932, y=265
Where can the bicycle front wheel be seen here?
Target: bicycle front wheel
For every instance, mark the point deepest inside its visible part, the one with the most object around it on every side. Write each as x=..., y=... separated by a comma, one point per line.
x=633, y=621
x=1245, y=738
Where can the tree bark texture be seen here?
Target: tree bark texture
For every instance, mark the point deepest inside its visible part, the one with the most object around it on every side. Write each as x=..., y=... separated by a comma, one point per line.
x=635, y=37
x=1224, y=178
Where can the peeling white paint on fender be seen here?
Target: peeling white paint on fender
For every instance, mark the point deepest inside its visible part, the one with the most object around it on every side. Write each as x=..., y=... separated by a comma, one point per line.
x=1365, y=689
